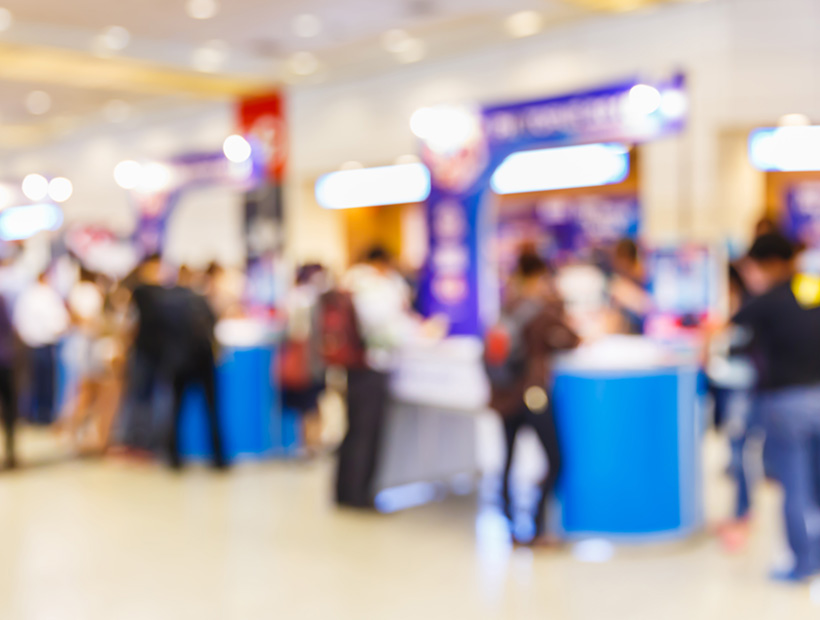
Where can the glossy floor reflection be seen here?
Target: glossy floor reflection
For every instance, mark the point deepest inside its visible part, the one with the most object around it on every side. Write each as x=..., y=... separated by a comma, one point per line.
x=89, y=540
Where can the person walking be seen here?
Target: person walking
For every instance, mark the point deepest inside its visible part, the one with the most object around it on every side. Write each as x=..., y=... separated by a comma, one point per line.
x=518, y=357
x=785, y=321
x=41, y=318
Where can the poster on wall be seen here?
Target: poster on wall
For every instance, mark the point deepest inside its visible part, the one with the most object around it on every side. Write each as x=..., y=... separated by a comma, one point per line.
x=801, y=218
x=565, y=229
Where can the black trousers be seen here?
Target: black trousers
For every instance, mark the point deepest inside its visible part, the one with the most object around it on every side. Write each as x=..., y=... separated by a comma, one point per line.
x=543, y=423
x=8, y=402
x=43, y=379
x=200, y=369
x=358, y=455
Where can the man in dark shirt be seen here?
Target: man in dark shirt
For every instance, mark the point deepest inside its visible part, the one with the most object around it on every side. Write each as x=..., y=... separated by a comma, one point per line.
x=785, y=322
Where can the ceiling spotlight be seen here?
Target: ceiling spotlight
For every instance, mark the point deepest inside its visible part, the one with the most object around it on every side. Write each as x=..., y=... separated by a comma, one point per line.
x=307, y=26
x=303, y=63
x=644, y=99
x=202, y=9
x=394, y=40
x=115, y=38
x=116, y=111
x=413, y=50
x=523, y=24
x=128, y=174
x=211, y=57
x=38, y=102
x=60, y=189
x=5, y=19
x=35, y=187
x=236, y=149
x=794, y=120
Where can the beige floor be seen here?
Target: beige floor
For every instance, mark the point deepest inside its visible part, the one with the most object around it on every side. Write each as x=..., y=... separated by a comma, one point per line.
x=89, y=541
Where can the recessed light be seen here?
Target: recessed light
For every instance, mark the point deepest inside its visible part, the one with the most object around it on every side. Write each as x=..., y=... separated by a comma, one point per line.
x=60, y=189
x=210, y=57
x=394, y=39
x=38, y=102
x=303, y=63
x=413, y=50
x=115, y=38
x=523, y=24
x=202, y=9
x=35, y=187
x=6, y=19
x=307, y=26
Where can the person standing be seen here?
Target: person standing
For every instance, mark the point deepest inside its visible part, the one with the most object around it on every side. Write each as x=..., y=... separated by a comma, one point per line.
x=518, y=359
x=380, y=312
x=8, y=383
x=785, y=321
x=41, y=319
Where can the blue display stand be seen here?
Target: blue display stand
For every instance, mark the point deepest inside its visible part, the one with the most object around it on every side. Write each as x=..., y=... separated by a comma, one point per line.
x=631, y=452
x=253, y=423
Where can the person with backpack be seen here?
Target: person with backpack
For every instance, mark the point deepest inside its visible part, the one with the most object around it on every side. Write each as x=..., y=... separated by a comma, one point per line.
x=518, y=356
x=362, y=327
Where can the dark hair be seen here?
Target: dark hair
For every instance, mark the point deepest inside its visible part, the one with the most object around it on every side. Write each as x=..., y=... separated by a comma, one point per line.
x=153, y=257
x=377, y=254
x=736, y=280
x=628, y=249
x=772, y=246
x=307, y=271
x=530, y=265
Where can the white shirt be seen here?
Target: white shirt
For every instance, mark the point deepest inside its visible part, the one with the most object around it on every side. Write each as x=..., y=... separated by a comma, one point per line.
x=40, y=316
x=382, y=303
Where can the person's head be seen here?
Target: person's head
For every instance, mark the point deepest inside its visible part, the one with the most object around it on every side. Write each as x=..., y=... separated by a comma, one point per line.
x=626, y=257
x=150, y=270
x=378, y=257
x=770, y=261
x=185, y=276
x=765, y=226
x=531, y=272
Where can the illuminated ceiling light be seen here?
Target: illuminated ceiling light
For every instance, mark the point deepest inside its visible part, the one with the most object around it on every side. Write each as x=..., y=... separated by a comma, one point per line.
x=586, y=165
x=6, y=19
x=115, y=38
x=644, y=99
x=523, y=24
x=38, y=102
x=154, y=177
x=794, y=120
x=236, y=149
x=674, y=104
x=303, y=63
x=786, y=149
x=18, y=223
x=445, y=128
x=411, y=51
x=307, y=26
x=35, y=187
x=116, y=111
x=372, y=187
x=128, y=174
x=202, y=9
x=60, y=189
x=394, y=40
x=210, y=57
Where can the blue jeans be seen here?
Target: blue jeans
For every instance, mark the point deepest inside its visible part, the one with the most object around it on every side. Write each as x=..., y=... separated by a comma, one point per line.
x=738, y=424
x=792, y=421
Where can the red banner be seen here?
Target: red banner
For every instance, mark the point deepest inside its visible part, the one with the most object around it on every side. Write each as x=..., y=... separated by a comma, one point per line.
x=262, y=121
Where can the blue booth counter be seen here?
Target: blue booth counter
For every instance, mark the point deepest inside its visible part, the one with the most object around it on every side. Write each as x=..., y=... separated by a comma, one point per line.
x=630, y=421
x=252, y=420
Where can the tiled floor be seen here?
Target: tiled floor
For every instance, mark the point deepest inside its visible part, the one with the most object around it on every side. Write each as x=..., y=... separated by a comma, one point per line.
x=113, y=541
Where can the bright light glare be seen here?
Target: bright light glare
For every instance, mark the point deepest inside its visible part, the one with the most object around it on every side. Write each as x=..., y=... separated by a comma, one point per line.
x=445, y=128
x=236, y=149
x=156, y=177
x=35, y=187
x=202, y=9
x=788, y=149
x=587, y=165
x=60, y=189
x=127, y=174
x=674, y=104
x=115, y=38
x=644, y=99
x=18, y=223
x=371, y=187
x=523, y=24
